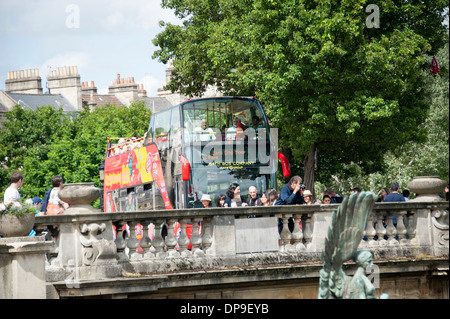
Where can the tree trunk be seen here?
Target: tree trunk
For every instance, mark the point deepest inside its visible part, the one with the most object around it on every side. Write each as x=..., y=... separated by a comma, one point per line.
x=308, y=170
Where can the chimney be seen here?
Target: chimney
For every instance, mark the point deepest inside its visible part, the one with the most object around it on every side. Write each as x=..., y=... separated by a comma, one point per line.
x=169, y=71
x=24, y=81
x=141, y=91
x=91, y=102
x=124, y=89
x=88, y=88
x=66, y=81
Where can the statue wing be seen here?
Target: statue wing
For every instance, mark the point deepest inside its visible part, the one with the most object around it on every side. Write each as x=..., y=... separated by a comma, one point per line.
x=344, y=235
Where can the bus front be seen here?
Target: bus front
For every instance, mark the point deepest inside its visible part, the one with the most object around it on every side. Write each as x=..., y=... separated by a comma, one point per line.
x=227, y=140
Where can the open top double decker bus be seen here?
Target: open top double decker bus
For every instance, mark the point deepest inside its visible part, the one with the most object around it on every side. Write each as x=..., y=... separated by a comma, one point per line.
x=200, y=146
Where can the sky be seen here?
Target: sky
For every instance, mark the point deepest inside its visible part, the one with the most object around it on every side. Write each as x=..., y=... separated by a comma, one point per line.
x=101, y=37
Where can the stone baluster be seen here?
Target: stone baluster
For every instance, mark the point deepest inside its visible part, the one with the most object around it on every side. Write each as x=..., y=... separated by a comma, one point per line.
x=297, y=234
x=391, y=231
x=196, y=239
x=411, y=228
x=381, y=231
x=146, y=241
x=133, y=242
x=401, y=228
x=307, y=229
x=158, y=241
x=120, y=241
x=206, y=234
x=285, y=232
x=171, y=239
x=183, y=240
x=370, y=230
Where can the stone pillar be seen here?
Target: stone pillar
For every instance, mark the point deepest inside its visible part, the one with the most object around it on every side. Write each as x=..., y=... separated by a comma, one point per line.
x=432, y=225
x=223, y=236
x=319, y=224
x=22, y=267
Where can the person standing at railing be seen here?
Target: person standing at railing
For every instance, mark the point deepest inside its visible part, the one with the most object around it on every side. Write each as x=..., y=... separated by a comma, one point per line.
x=272, y=196
x=406, y=194
x=12, y=192
x=206, y=201
x=233, y=196
x=221, y=200
x=394, y=196
x=291, y=193
x=56, y=206
x=253, y=199
x=307, y=197
x=335, y=198
x=326, y=199
x=383, y=193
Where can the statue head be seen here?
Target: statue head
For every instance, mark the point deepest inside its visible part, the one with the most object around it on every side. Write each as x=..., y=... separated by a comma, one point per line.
x=363, y=258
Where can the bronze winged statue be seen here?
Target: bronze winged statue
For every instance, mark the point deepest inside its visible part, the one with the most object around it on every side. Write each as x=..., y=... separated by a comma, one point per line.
x=344, y=235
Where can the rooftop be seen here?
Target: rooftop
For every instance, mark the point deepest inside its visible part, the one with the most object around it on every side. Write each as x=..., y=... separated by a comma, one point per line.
x=34, y=101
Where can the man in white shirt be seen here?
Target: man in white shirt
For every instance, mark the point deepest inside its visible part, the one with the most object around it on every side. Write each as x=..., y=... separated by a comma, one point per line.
x=204, y=133
x=233, y=130
x=12, y=192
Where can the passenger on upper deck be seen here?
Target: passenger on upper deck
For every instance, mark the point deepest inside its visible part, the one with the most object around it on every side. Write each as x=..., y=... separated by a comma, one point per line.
x=204, y=134
x=236, y=130
x=256, y=123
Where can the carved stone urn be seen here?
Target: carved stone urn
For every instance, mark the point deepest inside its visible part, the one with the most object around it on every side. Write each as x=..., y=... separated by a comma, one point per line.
x=427, y=188
x=16, y=225
x=79, y=196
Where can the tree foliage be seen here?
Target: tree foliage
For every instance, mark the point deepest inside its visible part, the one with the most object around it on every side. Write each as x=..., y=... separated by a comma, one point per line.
x=414, y=158
x=328, y=82
x=48, y=143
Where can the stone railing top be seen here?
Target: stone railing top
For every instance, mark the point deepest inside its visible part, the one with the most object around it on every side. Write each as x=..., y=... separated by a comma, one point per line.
x=235, y=211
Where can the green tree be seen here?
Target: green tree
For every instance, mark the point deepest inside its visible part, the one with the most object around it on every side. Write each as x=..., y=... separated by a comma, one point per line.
x=411, y=159
x=26, y=131
x=76, y=149
x=329, y=83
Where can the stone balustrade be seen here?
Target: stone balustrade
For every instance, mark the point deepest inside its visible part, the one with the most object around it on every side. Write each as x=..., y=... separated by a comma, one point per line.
x=107, y=245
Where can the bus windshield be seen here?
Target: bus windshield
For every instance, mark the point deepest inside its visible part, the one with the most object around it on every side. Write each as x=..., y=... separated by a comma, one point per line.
x=202, y=118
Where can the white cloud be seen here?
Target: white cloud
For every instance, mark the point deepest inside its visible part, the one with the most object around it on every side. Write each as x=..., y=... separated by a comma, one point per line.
x=151, y=84
x=113, y=20
x=114, y=36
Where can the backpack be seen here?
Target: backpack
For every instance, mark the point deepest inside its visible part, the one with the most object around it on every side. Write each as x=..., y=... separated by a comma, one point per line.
x=45, y=201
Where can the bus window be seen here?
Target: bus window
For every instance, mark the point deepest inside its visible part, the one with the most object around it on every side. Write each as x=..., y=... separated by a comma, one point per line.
x=162, y=128
x=149, y=134
x=175, y=129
